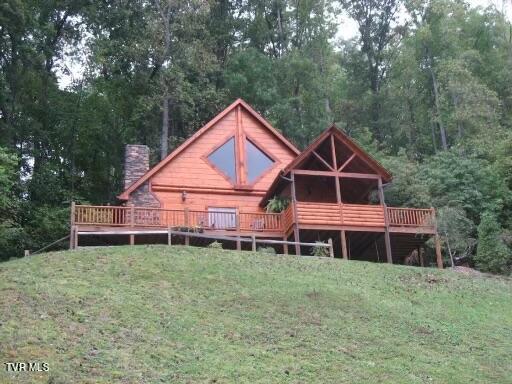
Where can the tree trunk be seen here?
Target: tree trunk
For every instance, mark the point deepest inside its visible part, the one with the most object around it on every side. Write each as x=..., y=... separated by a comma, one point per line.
x=432, y=129
x=280, y=31
x=460, y=124
x=164, y=138
x=437, y=104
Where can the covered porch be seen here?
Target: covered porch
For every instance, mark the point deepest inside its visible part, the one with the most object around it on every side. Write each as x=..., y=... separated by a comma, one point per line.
x=335, y=189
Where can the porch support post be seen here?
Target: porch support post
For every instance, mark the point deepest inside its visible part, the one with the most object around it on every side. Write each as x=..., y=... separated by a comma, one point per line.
x=238, y=242
x=75, y=238
x=285, y=246
x=344, y=252
x=72, y=226
x=186, y=213
x=387, y=239
x=296, y=233
x=132, y=222
x=437, y=240
x=71, y=237
x=439, y=256
x=335, y=166
x=338, y=189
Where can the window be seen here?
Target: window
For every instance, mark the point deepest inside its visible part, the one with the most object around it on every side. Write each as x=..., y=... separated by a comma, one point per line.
x=224, y=159
x=257, y=161
x=222, y=218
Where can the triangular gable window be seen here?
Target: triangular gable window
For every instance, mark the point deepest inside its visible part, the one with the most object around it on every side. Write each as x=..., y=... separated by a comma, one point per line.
x=257, y=161
x=223, y=158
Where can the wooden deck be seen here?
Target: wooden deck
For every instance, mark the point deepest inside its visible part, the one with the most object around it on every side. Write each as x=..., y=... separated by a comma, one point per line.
x=321, y=216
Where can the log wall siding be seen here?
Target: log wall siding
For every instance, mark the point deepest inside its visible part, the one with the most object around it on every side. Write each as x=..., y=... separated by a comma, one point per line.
x=190, y=169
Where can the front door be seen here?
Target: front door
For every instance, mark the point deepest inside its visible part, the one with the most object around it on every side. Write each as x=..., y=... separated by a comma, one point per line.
x=222, y=218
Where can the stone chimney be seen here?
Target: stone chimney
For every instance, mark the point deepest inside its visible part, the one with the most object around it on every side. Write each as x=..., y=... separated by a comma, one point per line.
x=136, y=163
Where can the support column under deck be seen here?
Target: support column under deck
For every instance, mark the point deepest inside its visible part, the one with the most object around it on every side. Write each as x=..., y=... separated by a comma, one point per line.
x=387, y=239
x=439, y=256
x=296, y=238
x=344, y=245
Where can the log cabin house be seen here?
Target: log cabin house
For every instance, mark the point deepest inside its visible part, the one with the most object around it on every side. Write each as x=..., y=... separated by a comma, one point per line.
x=221, y=179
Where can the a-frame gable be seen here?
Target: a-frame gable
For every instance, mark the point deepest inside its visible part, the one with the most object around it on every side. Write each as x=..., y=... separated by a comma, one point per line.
x=240, y=105
x=332, y=152
x=335, y=144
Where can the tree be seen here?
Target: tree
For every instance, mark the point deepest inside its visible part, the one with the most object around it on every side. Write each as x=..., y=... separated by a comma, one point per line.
x=11, y=232
x=376, y=20
x=457, y=233
x=492, y=254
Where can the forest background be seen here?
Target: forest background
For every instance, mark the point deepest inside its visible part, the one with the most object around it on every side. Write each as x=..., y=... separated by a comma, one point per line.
x=425, y=86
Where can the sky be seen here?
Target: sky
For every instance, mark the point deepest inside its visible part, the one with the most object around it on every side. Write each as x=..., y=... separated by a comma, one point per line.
x=347, y=30
x=348, y=27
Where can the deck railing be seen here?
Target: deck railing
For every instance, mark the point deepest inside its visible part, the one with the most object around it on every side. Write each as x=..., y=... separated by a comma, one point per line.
x=332, y=214
x=158, y=217
x=321, y=214
x=412, y=217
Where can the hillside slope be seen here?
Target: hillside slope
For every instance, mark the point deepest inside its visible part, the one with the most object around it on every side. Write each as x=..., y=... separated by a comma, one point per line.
x=158, y=314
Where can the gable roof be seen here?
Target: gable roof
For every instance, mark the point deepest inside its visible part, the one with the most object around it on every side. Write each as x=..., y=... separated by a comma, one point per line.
x=126, y=193
x=345, y=139
x=350, y=143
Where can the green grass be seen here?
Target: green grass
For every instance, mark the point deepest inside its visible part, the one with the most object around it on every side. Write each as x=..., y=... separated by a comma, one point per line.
x=186, y=315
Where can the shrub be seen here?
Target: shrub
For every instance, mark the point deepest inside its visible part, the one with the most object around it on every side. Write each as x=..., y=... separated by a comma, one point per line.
x=319, y=250
x=215, y=245
x=267, y=250
x=492, y=254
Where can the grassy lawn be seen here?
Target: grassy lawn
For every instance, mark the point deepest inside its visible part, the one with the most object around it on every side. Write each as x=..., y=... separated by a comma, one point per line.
x=186, y=315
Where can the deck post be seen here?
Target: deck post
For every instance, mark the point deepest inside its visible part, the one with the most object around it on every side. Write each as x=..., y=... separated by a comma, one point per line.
x=296, y=232
x=186, y=212
x=344, y=253
x=285, y=246
x=71, y=224
x=387, y=241
x=387, y=238
x=72, y=238
x=75, y=237
x=238, y=242
x=253, y=238
x=169, y=235
x=331, y=250
x=132, y=222
x=439, y=256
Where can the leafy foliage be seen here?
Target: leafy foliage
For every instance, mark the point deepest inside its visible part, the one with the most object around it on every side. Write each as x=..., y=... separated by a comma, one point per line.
x=277, y=204
x=429, y=94
x=319, y=250
x=492, y=253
